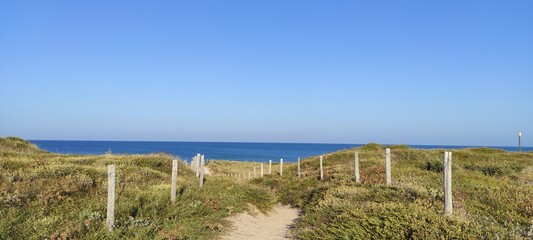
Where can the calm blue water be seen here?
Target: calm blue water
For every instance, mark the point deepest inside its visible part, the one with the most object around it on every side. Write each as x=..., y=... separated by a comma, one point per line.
x=212, y=150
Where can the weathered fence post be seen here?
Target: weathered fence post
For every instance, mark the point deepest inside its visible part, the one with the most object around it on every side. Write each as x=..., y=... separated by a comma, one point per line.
x=269, y=166
x=201, y=170
x=356, y=166
x=321, y=168
x=387, y=167
x=298, y=167
x=447, y=172
x=249, y=175
x=255, y=173
x=174, y=178
x=261, y=169
x=110, y=220
x=198, y=164
x=281, y=166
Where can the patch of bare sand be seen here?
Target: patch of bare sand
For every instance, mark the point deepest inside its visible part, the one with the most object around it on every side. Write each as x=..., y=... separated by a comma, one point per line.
x=273, y=226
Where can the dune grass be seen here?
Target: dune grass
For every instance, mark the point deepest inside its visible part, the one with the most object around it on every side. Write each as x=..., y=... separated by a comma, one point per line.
x=493, y=195
x=55, y=196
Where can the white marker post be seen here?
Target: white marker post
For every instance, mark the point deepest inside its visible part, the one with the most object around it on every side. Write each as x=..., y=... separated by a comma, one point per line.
x=270, y=167
x=281, y=166
x=356, y=167
x=321, y=168
x=110, y=220
x=255, y=173
x=198, y=164
x=261, y=169
x=519, y=142
x=387, y=167
x=298, y=167
x=447, y=175
x=174, y=178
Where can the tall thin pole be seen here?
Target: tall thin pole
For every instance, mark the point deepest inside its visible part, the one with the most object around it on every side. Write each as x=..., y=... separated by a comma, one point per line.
x=519, y=141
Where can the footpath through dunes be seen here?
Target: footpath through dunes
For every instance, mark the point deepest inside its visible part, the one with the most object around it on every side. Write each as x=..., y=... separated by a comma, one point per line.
x=255, y=225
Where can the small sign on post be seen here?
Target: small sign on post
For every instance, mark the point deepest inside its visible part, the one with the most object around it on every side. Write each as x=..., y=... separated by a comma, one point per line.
x=321, y=168
x=387, y=167
x=356, y=166
x=174, y=178
x=110, y=220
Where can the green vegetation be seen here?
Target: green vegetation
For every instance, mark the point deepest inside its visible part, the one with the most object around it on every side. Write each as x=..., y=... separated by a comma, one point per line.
x=55, y=196
x=493, y=195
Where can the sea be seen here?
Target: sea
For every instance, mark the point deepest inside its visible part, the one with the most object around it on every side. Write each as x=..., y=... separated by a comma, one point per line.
x=260, y=152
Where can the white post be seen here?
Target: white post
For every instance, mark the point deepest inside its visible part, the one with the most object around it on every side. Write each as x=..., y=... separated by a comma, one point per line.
x=281, y=166
x=201, y=170
x=356, y=167
x=198, y=164
x=298, y=167
x=269, y=166
x=261, y=169
x=249, y=174
x=174, y=178
x=447, y=172
x=255, y=173
x=110, y=221
x=321, y=168
x=387, y=166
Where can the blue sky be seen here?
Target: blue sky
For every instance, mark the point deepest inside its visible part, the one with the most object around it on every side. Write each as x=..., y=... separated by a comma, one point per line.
x=413, y=72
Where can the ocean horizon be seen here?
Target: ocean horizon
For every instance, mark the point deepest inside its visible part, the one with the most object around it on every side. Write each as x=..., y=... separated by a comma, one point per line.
x=237, y=151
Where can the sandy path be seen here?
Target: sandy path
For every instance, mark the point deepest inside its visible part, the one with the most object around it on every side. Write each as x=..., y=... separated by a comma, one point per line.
x=271, y=227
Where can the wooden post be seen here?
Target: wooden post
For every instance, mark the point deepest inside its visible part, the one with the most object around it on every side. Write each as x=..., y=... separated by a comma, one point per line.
x=110, y=221
x=269, y=166
x=447, y=172
x=198, y=164
x=254, y=173
x=298, y=167
x=174, y=178
x=281, y=166
x=356, y=167
x=249, y=175
x=387, y=167
x=201, y=170
x=321, y=168
x=261, y=169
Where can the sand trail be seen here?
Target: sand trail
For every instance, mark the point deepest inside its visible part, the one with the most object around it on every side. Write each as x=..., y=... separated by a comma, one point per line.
x=273, y=226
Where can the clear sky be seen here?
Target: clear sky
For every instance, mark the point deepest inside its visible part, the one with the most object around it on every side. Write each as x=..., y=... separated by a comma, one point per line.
x=412, y=72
